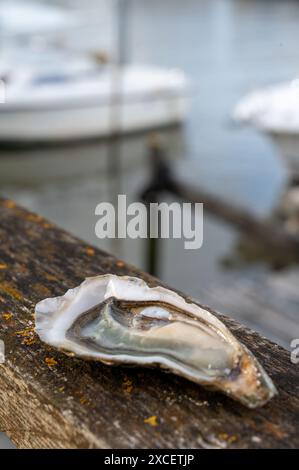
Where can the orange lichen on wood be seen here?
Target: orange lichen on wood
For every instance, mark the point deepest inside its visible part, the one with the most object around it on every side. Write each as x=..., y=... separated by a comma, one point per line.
x=9, y=203
x=27, y=332
x=84, y=401
x=230, y=439
x=90, y=251
x=34, y=218
x=28, y=341
x=128, y=385
x=51, y=362
x=3, y=266
x=7, y=316
x=152, y=421
x=50, y=277
x=5, y=287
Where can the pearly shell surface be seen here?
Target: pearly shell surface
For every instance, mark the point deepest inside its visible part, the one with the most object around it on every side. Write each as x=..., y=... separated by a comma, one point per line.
x=122, y=320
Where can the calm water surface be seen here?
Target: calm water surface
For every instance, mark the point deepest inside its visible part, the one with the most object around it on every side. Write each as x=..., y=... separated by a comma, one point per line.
x=227, y=48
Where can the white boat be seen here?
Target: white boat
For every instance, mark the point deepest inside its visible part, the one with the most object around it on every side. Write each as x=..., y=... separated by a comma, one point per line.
x=275, y=112
x=81, y=99
x=51, y=94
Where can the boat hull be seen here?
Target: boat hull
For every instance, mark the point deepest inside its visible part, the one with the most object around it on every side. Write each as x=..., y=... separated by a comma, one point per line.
x=288, y=147
x=77, y=122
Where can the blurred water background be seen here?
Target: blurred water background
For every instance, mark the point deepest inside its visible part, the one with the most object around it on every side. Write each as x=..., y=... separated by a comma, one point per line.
x=227, y=48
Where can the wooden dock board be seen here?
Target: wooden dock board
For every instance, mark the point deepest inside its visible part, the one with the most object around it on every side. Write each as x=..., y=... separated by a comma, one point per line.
x=267, y=303
x=50, y=400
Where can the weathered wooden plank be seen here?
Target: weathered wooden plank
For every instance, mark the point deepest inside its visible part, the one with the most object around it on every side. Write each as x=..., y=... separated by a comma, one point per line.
x=268, y=303
x=50, y=400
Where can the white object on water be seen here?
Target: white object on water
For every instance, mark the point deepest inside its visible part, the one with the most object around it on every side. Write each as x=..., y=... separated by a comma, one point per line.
x=77, y=100
x=275, y=111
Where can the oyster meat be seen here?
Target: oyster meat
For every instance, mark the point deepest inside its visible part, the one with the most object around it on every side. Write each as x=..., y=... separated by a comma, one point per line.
x=122, y=320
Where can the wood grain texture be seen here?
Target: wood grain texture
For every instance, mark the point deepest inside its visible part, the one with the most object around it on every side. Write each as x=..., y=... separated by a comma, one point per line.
x=50, y=400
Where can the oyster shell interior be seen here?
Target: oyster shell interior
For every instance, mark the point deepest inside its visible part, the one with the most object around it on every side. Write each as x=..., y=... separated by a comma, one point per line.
x=121, y=320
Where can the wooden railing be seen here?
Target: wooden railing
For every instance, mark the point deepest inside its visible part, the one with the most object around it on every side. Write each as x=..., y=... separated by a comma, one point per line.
x=50, y=400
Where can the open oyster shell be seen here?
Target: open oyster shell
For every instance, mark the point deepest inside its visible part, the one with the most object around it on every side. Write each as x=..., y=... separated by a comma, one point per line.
x=121, y=320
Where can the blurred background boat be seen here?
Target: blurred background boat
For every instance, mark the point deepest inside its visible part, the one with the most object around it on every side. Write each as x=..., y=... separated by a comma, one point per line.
x=77, y=99
x=275, y=111
x=57, y=94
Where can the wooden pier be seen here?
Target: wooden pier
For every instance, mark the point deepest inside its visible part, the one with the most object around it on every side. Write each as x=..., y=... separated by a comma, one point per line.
x=50, y=400
x=267, y=303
